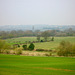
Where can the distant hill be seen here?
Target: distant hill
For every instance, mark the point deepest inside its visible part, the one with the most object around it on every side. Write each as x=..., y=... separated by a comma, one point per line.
x=35, y=27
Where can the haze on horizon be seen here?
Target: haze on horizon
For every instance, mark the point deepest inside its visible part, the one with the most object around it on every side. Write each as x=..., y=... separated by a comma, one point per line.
x=25, y=12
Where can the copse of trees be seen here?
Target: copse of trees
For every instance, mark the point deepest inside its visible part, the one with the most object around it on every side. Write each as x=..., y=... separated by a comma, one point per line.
x=45, y=35
x=30, y=47
x=66, y=49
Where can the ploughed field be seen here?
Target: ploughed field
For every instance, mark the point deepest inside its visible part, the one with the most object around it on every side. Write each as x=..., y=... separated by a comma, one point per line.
x=42, y=45
x=30, y=65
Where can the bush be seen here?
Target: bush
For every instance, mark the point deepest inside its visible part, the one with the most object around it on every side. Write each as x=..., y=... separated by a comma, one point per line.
x=66, y=49
x=18, y=45
x=41, y=41
x=24, y=47
x=73, y=50
x=52, y=39
x=44, y=50
x=18, y=51
x=7, y=51
x=4, y=45
x=47, y=54
x=39, y=49
x=50, y=54
x=31, y=46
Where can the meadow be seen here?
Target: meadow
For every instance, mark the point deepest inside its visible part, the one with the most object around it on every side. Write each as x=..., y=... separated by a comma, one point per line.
x=30, y=65
x=42, y=45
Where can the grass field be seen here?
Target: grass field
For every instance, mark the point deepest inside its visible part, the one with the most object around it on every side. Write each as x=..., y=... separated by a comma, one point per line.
x=44, y=45
x=29, y=65
x=21, y=39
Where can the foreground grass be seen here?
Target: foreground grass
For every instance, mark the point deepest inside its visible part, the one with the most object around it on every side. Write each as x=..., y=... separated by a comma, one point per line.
x=28, y=65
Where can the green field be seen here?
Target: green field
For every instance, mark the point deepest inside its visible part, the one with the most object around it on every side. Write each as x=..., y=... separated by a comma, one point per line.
x=29, y=65
x=21, y=39
x=43, y=45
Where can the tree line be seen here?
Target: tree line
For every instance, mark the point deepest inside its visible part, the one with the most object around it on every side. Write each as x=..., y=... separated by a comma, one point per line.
x=38, y=33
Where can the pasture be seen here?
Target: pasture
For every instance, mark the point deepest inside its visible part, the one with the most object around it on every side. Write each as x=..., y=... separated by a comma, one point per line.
x=42, y=45
x=29, y=65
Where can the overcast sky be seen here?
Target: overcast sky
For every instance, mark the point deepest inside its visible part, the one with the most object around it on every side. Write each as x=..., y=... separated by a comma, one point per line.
x=25, y=12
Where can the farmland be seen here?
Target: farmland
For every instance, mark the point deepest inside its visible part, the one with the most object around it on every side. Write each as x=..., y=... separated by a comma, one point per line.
x=38, y=65
x=42, y=45
x=29, y=65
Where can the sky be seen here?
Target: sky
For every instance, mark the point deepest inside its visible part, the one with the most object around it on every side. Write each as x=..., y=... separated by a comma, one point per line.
x=32, y=12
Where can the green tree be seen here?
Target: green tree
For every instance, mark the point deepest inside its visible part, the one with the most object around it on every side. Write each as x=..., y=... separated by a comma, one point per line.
x=38, y=38
x=31, y=46
x=45, y=34
x=24, y=47
x=52, y=39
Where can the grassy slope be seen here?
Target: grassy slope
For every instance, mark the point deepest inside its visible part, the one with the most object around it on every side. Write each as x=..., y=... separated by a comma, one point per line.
x=28, y=65
x=54, y=44
x=44, y=45
x=22, y=39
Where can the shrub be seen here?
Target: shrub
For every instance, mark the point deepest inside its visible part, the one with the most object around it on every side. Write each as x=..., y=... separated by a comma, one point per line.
x=52, y=39
x=50, y=54
x=18, y=45
x=7, y=51
x=24, y=47
x=44, y=50
x=41, y=41
x=66, y=49
x=47, y=54
x=73, y=50
x=18, y=51
x=31, y=46
x=4, y=45
x=15, y=46
x=39, y=49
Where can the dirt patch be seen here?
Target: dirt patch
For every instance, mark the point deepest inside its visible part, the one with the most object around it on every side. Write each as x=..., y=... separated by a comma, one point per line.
x=54, y=69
